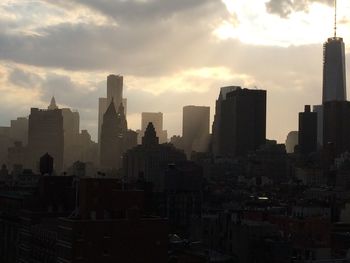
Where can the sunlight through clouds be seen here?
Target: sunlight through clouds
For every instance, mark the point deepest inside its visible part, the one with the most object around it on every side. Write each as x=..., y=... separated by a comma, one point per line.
x=258, y=27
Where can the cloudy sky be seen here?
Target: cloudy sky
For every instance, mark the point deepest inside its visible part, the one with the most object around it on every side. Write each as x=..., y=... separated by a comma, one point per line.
x=172, y=53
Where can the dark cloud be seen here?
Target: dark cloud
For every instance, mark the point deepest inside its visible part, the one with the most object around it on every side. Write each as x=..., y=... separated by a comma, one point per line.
x=70, y=93
x=167, y=35
x=23, y=78
x=142, y=12
x=284, y=8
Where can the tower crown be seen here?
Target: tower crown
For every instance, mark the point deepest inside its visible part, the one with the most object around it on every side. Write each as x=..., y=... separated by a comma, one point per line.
x=52, y=105
x=150, y=138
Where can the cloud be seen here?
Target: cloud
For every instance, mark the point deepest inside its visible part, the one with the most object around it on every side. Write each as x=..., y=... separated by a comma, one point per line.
x=284, y=8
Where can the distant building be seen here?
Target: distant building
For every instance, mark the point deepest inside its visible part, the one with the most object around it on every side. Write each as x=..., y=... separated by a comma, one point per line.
x=334, y=77
x=71, y=121
x=319, y=110
x=195, y=129
x=149, y=160
x=336, y=125
x=45, y=135
x=177, y=141
x=157, y=120
x=291, y=141
x=115, y=138
x=19, y=130
x=307, y=131
x=239, y=122
x=77, y=145
x=115, y=93
x=16, y=155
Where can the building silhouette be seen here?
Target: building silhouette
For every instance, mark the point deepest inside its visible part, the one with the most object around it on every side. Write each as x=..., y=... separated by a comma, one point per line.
x=195, y=128
x=19, y=130
x=115, y=93
x=77, y=145
x=239, y=122
x=45, y=135
x=115, y=137
x=336, y=125
x=307, y=131
x=46, y=164
x=319, y=110
x=291, y=141
x=149, y=160
x=157, y=120
x=334, y=77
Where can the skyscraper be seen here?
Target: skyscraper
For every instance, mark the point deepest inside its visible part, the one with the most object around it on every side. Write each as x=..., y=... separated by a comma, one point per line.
x=239, y=122
x=45, y=135
x=111, y=141
x=115, y=137
x=115, y=93
x=336, y=125
x=115, y=89
x=307, y=131
x=334, y=78
x=156, y=118
x=195, y=128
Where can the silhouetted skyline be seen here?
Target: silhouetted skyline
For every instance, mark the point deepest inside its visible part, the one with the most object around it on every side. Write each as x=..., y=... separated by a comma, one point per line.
x=68, y=49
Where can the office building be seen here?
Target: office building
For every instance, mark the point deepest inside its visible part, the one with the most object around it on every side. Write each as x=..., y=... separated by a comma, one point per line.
x=239, y=122
x=307, y=131
x=115, y=93
x=334, y=77
x=319, y=110
x=336, y=125
x=149, y=160
x=157, y=120
x=195, y=129
x=45, y=135
x=115, y=137
x=291, y=141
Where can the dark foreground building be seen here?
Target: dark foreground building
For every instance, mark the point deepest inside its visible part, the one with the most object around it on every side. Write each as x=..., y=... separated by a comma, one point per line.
x=239, y=122
x=307, y=131
x=336, y=125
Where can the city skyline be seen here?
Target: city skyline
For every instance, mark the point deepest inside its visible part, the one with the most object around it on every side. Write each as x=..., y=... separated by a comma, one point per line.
x=37, y=63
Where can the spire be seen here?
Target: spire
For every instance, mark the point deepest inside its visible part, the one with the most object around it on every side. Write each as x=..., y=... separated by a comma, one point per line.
x=52, y=105
x=335, y=18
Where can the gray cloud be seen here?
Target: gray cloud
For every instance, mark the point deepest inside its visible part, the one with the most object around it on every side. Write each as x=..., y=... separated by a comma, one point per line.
x=284, y=8
x=153, y=37
x=142, y=12
x=23, y=78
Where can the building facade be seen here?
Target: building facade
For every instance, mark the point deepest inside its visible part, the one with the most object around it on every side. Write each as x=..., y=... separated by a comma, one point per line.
x=307, y=131
x=239, y=122
x=45, y=135
x=195, y=128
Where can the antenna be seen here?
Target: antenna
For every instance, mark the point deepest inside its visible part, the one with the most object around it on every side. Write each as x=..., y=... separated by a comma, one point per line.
x=335, y=18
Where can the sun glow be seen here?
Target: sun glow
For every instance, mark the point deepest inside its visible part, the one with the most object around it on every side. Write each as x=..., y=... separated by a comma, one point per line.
x=257, y=26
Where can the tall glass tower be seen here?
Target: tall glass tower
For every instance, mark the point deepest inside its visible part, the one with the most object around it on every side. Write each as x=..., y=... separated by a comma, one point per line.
x=334, y=78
